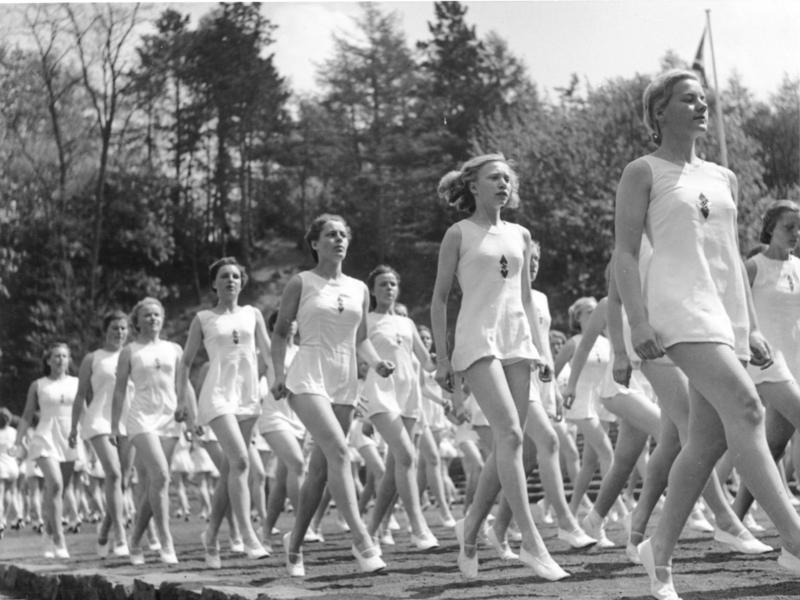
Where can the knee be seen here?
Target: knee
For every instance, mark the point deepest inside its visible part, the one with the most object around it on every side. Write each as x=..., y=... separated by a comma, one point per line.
x=159, y=479
x=751, y=410
x=238, y=464
x=509, y=438
x=548, y=443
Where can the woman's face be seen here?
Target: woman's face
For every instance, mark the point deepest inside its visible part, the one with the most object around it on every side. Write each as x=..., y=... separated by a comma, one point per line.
x=556, y=343
x=228, y=282
x=426, y=338
x=492, y=186
x=787, y=229
x=150, y=318
x=584, y=315
x=385, y=289
x=117, y=332
x=333, y=241
x=687, y=109
x=535, y=256
x=59, y=360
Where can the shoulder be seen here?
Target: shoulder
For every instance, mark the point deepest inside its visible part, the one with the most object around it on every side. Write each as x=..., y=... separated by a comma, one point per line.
x=88, y=360
x=639, y=169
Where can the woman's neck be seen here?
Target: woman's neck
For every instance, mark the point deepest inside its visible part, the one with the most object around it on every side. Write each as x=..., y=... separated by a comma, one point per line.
x=775, y=252
x=56, y=376
x=227, y=304
x=677, y=150
x=328, y=269
x=113, y=346
x=384, y=309
x=148, y=337
x=486, y=216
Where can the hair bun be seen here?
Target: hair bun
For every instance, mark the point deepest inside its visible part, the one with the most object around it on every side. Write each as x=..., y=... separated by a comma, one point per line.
x=451, y=188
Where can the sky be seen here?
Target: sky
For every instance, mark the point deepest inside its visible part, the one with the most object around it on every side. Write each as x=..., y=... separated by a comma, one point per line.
x=596, y=39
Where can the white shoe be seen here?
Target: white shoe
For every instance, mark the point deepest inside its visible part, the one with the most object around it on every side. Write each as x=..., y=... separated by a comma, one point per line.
x=502, y=548
x=577, y=538
x=387, y=539
x=744, y=542
x=237, y=546
x=313, y=536
x=121, y=549
x=393, y=524
x=661, y=590
x=49, y=549
x=136, y=556
x=103, y=549
x=368, y=564
x=468, y=566
x=256, y=552
x=598, y=532
x=212, y=559
x=750, y=522
x=632, y=552
x=168, y=556
x=789, y=561
x=426, y=541
x=295, y=569
x=448, y=522
x=698, y=522
x=61, y=552
x=545, y=567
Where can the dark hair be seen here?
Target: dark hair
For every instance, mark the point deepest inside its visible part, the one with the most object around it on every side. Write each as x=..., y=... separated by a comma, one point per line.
x=657, y=95
x=316, y=227
x=227, y=260
x=454, y=188
x=5, y=417
x=141, y=304
x=48, y=353
x=422, y=328
x=373, y=275
x=774, y=212
x=111, y=316
x=757, y=249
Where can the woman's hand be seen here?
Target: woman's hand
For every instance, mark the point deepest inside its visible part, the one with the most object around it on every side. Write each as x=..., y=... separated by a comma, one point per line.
x=545, y=372
x=73, y=438
x=569, y=396
x=444, y=374
x=646, y=342
x=621, y=369
x=278, y=388
x=384, y=368
x=761, y=353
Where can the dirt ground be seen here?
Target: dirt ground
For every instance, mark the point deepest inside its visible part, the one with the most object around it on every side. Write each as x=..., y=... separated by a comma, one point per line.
x=703, y=569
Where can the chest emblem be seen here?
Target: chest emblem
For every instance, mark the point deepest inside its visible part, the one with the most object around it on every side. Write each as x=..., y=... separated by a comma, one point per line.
x=63, y=399
x=340, y=304
x=504, y=266
x=790, y=281
x=704, y=204
x=235, y=336
x=158, y=364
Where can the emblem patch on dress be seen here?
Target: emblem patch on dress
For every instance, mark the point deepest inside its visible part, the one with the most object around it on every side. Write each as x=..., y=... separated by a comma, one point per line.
x=235, y=336
x=340, y=304
x=790, y=281
x=504, y=266
x=704, y=205
x=158, y=364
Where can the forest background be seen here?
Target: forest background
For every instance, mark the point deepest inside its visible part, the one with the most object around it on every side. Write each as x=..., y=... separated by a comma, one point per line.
x=129, y=163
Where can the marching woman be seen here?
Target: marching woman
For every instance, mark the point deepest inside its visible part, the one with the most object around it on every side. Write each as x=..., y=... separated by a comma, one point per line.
x=92, y=410
x=52, y=395
x=229, y=401
x=494, y=342
x=152, y=365
x=322, y=382
x=393, y=403
x=774, y=276
x=697, y=308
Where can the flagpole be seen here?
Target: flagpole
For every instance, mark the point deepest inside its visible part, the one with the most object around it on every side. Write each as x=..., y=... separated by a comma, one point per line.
x=723, y=146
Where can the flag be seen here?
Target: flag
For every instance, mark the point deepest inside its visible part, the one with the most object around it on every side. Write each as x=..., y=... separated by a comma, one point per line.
x=699, y=63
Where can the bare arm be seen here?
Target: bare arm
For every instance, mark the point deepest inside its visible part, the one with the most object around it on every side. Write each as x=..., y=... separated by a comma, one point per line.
x=527, y=299
x=31, y=406
x=633, y=199
x=182, y=384
x=419, y=350
x=366, y=350
x=82, y=397
x=262, y=342
x=564, y=356
x=120, y=388
x=287, y=314
x=595, y=327
x=445, y=273
x=621, y=368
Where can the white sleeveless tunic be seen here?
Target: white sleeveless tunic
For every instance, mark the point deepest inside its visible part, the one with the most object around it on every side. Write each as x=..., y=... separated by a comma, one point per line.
x=9, y=468
x=776, y=299
x=277, y=415
x=231, y=384
x=51, y=437
x=154, y=399
x=694, y=290
x=328, y=317
x=393, y=338
x=543, y=391
x=492, y=319
x=96, y=419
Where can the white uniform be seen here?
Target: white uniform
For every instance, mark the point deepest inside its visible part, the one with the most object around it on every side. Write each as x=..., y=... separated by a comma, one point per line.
x=587, y=390
x=96, y=419
x=328, y=317
x=492, y=319
x=776, y=299
x=433, y=411
x=231, y=384
x=154, y=399
x=543, y=391
x=277, y=415
x=50, y=439
x=393, y=338
x=9, y=468
x=695, y=290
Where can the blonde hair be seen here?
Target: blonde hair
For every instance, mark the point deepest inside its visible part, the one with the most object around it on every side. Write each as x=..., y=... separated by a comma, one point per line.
x=454, y=189
x=140, y=305
x=577, y=308
x=657, y=95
